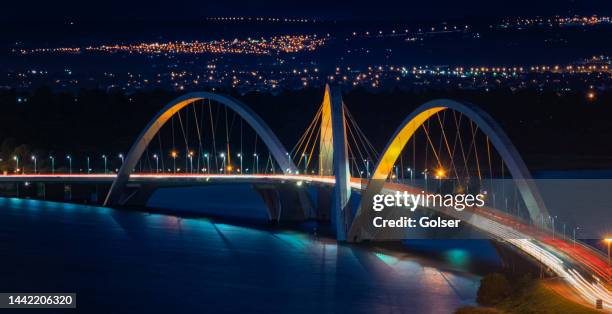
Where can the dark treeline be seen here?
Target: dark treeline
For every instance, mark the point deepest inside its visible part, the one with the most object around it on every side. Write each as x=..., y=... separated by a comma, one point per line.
x=550, y=130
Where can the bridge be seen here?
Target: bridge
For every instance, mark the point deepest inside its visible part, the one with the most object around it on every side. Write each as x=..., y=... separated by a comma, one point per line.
x=444, y=146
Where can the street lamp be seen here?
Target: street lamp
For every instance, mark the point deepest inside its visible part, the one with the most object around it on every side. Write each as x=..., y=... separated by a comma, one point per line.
x=256, y=163
x=396, y=173
x=88, y=168
x=16, y=159
x=305, y=163
x=69, y=163
x=174, y=154
x=440, y=174
x=105, y=163
x=122, y=158
x=190, y=155
x=240, y=156
x=574, y=231
x=156, y=162
x=207, y=162
x=552, y=223
x=288, y=163
x=564, y=231
x=34, y=159
x=52, y=164
x=222, y=155
x=411, y=174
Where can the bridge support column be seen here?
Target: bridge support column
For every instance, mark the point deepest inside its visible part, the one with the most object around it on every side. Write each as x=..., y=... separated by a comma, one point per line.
x=341, y=212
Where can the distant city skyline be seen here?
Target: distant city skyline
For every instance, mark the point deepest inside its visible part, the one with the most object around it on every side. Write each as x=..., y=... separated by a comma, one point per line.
x=317, y=9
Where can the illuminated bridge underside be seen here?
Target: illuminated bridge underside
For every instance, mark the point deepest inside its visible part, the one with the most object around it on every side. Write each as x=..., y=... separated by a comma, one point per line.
x=501, y=142
x=278, y=152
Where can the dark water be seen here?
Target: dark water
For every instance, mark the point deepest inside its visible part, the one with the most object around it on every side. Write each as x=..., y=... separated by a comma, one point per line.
x=127, y=262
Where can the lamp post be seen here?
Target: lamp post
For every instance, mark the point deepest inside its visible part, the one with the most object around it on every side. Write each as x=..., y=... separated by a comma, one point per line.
x=122, y=158
x=552, y=222
x=52, y=164
x=367, y=161
x=396, y=173
x=34, y=159
x=305, y=163
x=288, y=162
x=156, y=162
x=411, y=174
x=564, y=231
x=440, y=174
x=88, y=168
x=222, y=155
x=16, y=159
x=256, y=163
x=174, y=155
x=240, y=156
x=105, y=163
x=576, y=228
x=69, y=163
x=190, y=155
x=207, y=162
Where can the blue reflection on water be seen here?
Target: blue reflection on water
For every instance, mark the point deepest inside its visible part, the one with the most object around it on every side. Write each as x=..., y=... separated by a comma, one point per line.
x=458, y=257
x=127, y=261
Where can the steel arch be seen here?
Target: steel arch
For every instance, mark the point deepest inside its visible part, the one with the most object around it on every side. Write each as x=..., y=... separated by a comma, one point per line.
x=278, y=151
x=499, y=139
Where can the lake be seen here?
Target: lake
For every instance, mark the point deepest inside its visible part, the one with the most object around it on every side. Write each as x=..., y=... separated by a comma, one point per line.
x=120, y=261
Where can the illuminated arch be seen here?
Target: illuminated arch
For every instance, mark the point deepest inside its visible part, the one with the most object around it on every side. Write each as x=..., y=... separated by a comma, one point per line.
x=499, y=139
x=277, y=150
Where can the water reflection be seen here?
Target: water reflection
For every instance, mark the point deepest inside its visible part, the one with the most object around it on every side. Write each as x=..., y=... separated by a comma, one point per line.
x=164, y=263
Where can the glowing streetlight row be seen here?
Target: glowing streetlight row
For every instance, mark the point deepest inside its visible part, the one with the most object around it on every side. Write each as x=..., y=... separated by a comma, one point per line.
x=52, y=158
x=225, y=167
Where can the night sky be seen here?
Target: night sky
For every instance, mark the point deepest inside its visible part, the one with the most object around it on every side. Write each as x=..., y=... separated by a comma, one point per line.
x=320, y=9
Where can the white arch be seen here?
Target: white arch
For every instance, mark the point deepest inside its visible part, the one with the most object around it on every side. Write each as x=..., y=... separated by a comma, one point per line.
x=499, y=139
x=277, y=150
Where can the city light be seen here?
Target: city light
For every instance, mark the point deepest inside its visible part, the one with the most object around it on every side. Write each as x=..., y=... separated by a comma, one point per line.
x=591, y=95
x=251, y=46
